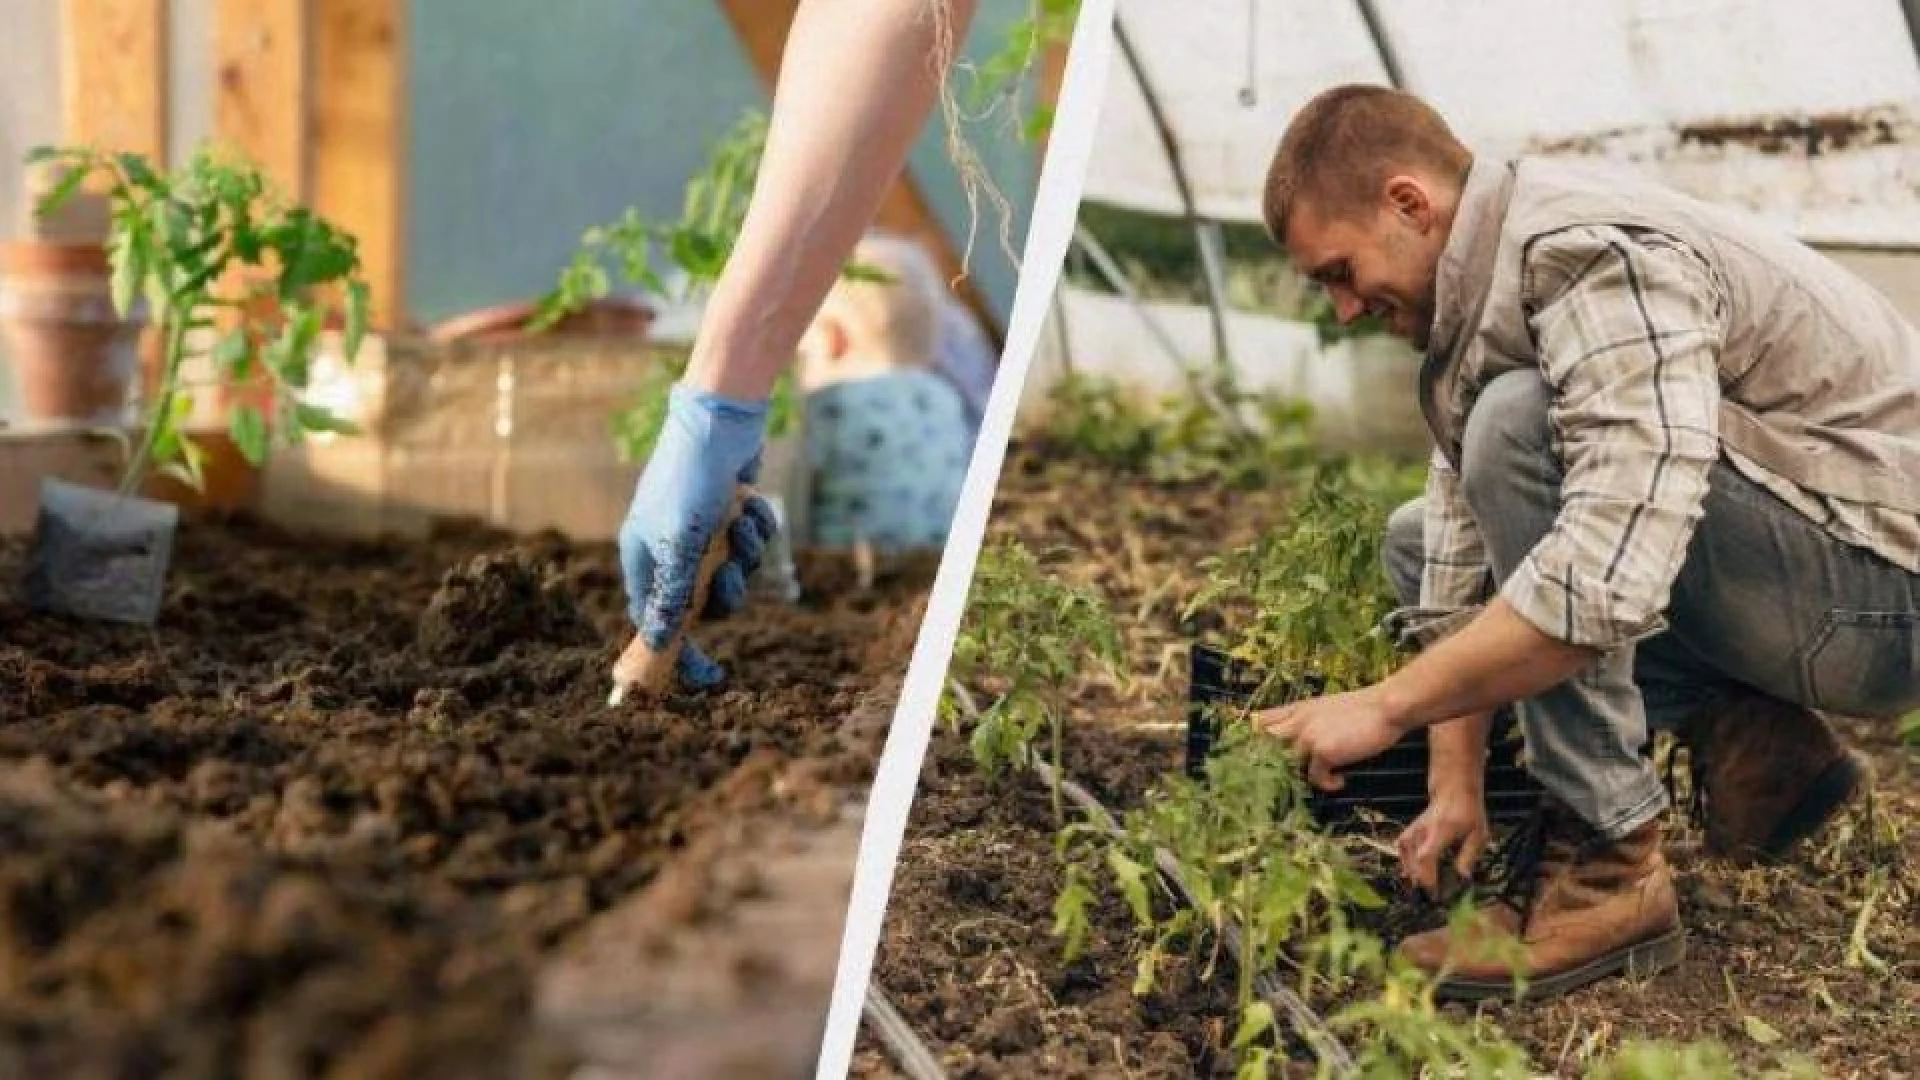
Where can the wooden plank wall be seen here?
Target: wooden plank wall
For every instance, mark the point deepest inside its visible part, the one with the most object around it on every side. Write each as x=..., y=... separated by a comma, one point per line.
x=262, y=56
x=359, y=138
x=114, y=76
x=313, y=90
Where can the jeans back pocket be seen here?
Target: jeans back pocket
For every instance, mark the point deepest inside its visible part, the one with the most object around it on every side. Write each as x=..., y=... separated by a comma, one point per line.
x=1863, y=663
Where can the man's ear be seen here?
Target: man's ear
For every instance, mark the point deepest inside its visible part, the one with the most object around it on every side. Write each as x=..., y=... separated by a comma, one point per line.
x=1411, y=202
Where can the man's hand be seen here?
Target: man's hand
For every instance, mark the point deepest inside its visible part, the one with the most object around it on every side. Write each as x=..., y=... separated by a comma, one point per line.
x=1456, y=813
x=1333, y=732
x=1455, y=817
x=708, y=445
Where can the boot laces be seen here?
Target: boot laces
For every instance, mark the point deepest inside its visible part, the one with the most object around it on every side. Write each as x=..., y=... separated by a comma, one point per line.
x=1552, y=836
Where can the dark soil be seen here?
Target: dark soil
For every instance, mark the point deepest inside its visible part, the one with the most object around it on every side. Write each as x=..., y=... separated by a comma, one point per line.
x=330, y=817
x=968, y=954
x=1769, y=949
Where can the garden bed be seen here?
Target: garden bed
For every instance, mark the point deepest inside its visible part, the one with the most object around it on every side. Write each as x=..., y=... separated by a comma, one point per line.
x=1774, y=964
x=969, y=960
x=337, y=812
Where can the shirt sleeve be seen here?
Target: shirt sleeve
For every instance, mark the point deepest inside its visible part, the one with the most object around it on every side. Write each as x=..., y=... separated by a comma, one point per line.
x=1629, y=325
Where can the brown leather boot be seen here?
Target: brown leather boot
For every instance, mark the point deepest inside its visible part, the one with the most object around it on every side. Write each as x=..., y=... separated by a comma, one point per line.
x=1767, y=774
x=1575, y=907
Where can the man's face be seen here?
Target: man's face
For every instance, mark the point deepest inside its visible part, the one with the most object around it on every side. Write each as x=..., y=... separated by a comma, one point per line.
x=1380, y=261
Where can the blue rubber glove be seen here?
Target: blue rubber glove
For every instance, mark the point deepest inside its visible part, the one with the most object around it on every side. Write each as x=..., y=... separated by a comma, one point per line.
x=707, y=446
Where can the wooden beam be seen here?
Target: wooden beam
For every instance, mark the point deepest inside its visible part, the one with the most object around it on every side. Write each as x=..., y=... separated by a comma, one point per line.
x=762, y=26
x=359, y=135
x=114, y=75
x=262, y=68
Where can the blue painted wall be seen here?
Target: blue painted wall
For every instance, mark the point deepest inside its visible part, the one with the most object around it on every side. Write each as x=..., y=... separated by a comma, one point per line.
x=531, y=121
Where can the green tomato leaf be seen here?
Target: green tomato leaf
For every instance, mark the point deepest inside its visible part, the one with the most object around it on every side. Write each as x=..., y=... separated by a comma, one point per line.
x=129, y=258
x=1039, y=124
x=181, y=474
x=311, y=253
x=1144, y=971
x=1070, y=917
x=865, y=273
x=233, y=356
x=1132, y=879
x=315, y=418
x=166, y=441
x=138, y=171
x=699, y=254
x=247, y=241
x=305, y=331
x=193, y=460
x=358, y=299
x=249, y=430
x=60, y=193
x=1255, y=1021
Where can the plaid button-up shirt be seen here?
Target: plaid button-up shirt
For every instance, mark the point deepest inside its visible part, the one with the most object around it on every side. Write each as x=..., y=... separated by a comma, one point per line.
x=1629, y=325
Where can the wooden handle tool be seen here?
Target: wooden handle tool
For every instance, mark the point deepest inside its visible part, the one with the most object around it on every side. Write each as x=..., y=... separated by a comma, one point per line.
x=649, y=672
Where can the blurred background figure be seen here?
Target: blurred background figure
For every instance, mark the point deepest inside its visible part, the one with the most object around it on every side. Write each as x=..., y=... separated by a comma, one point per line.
x=963, y=353
x=887, y=435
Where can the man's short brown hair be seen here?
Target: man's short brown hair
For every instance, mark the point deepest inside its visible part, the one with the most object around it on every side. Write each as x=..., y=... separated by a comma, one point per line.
x=1343, y=145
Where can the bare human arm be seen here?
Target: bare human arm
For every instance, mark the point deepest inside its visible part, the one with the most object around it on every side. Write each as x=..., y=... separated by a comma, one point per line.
x=857, y=82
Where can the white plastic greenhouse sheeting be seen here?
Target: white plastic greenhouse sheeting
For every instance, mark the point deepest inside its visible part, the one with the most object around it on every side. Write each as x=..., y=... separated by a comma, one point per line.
x=1681, y=88
x=1623, y=78
x=1362, y=392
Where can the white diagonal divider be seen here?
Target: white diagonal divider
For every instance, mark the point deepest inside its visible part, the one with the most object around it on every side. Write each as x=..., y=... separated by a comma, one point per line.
x=1055, y=208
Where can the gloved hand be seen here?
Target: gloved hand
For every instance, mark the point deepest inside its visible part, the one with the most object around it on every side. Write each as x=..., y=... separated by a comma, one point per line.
x=707, y=446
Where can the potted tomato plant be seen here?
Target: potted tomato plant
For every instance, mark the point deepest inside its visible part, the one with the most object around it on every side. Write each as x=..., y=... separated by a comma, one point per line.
x=239, y=283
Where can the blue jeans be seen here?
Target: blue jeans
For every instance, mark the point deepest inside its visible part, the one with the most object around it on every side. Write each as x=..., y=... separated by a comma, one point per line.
x=1766, y=599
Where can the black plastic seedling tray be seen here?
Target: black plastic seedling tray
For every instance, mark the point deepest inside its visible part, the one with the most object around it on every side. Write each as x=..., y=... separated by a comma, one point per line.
x=1392, y=786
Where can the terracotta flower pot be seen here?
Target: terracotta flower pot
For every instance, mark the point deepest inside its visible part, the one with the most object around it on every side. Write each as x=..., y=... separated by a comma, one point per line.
x=73, y=357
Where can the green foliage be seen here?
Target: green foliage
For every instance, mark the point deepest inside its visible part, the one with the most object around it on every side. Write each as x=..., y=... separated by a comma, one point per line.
x=1315, y=588
x=1182, y=440
x=1642, y=1059
x=1001, y=78
x=209, y=238
x=636, y=428
x=1090, y=417
x=1384, y=483
x=1402, y=1035
x=698, y=242
x=1161, y=261
x=1910, y=729
x=1250, y=857
x=1029, y=634
x=1243, y=840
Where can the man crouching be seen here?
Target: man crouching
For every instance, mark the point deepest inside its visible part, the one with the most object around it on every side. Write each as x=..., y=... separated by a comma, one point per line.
x=1676, y=486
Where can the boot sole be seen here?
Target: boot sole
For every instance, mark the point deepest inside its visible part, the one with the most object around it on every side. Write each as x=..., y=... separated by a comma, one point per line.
x=1650, y=957
x=1832, y=790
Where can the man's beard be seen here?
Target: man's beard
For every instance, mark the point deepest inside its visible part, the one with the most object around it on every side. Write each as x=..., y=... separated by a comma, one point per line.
x=1422, y=336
